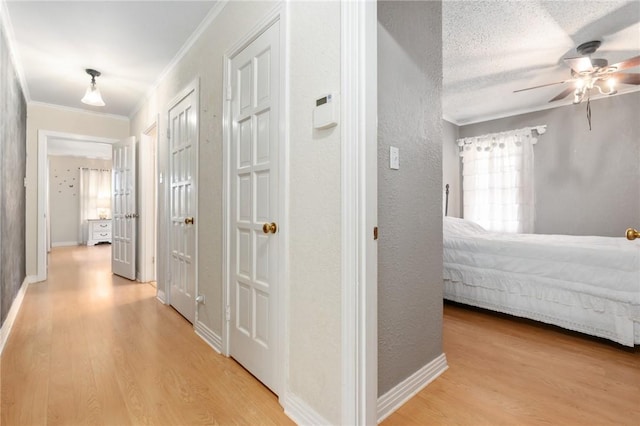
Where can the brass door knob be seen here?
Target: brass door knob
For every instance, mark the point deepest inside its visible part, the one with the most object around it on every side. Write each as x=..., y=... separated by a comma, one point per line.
x=188, y=221
x=632, y=234
x=269, y=228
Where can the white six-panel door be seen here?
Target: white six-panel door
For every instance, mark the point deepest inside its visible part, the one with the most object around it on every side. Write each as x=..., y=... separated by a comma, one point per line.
x=183, y=119
x=254, y=181
x=123, y=208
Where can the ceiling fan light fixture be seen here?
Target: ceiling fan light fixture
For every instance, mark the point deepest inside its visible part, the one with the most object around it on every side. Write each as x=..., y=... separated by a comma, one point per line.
x=577, y=98
x=92, y=96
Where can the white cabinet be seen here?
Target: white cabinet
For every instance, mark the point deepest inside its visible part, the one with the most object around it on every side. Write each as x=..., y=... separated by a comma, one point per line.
x=99, y=231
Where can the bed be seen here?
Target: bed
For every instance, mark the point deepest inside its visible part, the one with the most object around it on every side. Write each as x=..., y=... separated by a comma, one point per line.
x=586, y=284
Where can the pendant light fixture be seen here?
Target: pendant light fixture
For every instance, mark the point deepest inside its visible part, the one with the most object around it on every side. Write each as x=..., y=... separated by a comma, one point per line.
x=92, y=95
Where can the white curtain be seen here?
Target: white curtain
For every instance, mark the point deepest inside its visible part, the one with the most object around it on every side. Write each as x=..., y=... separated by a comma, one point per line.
x=498, y=181
x=95, y=197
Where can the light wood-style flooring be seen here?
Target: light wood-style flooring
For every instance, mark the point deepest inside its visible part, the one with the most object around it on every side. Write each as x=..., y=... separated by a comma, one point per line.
x=508, y=371
x=91, y=348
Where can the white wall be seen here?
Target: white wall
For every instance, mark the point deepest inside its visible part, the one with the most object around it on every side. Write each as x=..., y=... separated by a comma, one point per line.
x=315, y=212
x=43, y=117
x=64, y=196
x=313, y=373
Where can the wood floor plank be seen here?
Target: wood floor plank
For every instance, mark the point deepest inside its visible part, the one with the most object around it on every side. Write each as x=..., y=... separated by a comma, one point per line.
x=508, y=371
x=91, y=348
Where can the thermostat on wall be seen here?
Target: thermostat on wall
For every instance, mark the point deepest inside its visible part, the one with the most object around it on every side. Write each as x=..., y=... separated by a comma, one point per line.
x=324, y=114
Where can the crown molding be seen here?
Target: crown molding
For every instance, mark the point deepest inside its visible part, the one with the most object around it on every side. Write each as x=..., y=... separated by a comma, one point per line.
x=195, y=36
x=78, y=110
x=7, y=29
x=522, y=111
x=450, y=120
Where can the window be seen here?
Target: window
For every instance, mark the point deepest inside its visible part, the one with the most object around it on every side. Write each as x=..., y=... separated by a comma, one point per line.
x=497, y=180
x=95, y=197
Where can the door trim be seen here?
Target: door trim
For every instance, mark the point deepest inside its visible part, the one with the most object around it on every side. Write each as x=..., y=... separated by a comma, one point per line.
x=147, y=182
x=282, y=345
x=43, y=182
x=359, y=212
x=194, y=86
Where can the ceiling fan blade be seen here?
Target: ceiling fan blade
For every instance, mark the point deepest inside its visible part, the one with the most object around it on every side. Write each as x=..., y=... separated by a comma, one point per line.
x=579, y=64
x=627, y=78
x=629, y=63
x=542, y=85
x=566, y=92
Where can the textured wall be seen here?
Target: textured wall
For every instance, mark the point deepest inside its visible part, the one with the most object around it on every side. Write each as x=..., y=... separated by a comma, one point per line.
x=315, y=214
x=13, y=118
x=586, y=182
x=409, y=199
x=451, y=167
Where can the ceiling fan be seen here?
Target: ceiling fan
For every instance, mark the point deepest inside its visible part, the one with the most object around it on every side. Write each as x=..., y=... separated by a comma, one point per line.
x=587, y=74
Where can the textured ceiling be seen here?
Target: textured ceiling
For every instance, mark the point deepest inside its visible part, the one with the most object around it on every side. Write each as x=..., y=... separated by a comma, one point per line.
x=491, y=48
x=130, y=42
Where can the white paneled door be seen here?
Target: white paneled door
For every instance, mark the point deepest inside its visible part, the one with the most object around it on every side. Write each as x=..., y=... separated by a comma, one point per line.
x=254, y=181
x=183, y=128
x=123, y=208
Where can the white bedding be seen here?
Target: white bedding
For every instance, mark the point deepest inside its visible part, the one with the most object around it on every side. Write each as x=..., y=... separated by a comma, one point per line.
x=587, y=284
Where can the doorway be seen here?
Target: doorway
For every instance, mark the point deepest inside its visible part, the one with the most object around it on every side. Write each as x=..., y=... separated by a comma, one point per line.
x=45, y=139
x=147, y=202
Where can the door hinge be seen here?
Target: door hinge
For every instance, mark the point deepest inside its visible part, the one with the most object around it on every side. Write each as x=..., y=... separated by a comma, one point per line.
x=375, y=232
x=228, y=313
x=168, y=133
x=229, y=93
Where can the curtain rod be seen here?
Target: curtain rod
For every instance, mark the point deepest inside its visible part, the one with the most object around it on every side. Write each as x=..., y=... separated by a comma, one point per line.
x=89, y=168
x=540, y=129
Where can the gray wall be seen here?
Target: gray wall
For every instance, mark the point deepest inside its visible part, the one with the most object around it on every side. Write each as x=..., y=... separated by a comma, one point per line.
x=586, y=182
x=451, y=167
x=13, y=125
x=409, y=199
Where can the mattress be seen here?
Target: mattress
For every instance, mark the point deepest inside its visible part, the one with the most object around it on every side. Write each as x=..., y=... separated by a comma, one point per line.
x=588, y=284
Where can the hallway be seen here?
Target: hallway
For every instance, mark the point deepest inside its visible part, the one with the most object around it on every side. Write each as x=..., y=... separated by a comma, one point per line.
x=89, y=347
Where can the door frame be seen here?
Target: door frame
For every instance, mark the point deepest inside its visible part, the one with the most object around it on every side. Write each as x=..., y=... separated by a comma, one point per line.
x=148, y=205
x=359, y=169
x=194, y=86
x=43, y=182
x=282, y=350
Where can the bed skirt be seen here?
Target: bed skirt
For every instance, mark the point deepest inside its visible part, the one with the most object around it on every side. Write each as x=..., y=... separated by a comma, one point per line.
x=597, y=316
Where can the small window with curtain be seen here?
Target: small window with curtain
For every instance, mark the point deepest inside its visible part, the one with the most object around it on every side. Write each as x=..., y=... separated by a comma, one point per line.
x=95, y=197
x=498, y=179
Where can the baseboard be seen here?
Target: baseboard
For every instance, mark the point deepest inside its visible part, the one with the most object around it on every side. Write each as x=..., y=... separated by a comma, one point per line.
x=161, y=297
x=409, y=387
x=301, y=413
x=5, y=331
x=209, y=336
x=65, y=244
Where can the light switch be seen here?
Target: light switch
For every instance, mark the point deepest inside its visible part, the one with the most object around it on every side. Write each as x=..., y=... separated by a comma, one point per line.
x=394, y=158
